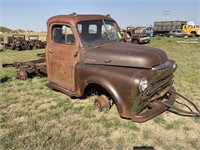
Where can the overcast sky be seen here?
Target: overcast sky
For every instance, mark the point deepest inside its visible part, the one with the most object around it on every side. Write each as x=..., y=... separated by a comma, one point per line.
x=33, y=14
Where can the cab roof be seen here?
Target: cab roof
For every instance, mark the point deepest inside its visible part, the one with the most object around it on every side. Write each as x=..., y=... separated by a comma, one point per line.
x=74, y=18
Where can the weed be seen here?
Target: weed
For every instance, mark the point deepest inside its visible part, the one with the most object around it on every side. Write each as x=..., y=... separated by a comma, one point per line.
x=89, y=112
x=160, y=120
x=105, y=122
x=10, y=140
x=174, y=125
x=194, y=143
x=20, y=113
x=53, y=114
x=185, y=128
x=131, y=126
x=120, y=143
x=147, y=134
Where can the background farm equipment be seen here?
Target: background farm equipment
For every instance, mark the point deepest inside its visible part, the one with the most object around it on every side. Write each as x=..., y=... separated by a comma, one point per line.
x=8, y=43
x=35, y=43
x=19, y=42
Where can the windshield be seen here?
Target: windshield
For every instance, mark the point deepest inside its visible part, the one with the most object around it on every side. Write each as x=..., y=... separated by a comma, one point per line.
x=98, y=31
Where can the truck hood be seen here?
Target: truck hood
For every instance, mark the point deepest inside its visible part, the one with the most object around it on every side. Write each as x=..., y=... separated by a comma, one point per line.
x=125, y=54
x=139, y=34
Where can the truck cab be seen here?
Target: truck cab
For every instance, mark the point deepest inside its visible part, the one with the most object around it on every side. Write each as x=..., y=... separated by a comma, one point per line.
x=86, y=52
x=136, y=36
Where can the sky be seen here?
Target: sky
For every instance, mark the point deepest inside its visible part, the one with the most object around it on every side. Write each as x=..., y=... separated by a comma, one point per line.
x=33, y=14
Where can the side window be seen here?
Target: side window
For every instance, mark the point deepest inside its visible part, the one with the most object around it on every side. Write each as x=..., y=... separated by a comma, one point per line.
x=63, y=35
x=92, y=29
x=178, y=31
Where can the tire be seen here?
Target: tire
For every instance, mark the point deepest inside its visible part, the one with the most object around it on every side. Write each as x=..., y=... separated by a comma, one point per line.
x=135, y=42
x=102, y=103
x=193, y=34
x=17, y=48
x=22, y=75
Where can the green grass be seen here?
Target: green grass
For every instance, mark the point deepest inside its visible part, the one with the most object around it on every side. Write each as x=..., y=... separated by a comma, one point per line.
x=147, y=134
x=160, y=120
x=174, y=125
x=33, y=116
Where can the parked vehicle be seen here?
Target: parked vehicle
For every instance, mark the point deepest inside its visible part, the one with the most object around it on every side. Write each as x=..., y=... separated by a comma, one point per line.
x=35, y=43
x=179, y=33
x=190, y=27
x=149, y=31
x=19, y=42
x=85, y=54
x=137, y=38
x=164, y=27
x=8, y=42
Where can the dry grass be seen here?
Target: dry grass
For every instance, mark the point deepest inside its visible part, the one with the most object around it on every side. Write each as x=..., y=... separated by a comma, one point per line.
x=35, y=117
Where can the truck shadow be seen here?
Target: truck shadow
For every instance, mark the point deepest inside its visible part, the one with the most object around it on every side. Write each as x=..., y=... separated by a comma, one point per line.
x=4, y=79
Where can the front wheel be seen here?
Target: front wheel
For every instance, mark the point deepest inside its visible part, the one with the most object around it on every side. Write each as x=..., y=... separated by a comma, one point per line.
x=102, y=103
x=135, y=41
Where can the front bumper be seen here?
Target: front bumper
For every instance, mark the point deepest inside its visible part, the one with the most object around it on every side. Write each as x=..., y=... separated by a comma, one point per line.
x=145, y=40
x=155, y=107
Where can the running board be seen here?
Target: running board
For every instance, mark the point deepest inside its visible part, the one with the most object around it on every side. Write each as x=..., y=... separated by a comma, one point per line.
x=56, y=87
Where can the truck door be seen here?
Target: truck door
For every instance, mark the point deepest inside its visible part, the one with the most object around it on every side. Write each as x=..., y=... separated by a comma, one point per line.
x=60, y=56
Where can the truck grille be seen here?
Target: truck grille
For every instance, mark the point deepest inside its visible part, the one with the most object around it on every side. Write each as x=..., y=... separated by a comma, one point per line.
x=158, y=83
x=157, y=86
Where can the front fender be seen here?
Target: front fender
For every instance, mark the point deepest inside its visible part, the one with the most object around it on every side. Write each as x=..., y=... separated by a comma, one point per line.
x=105, y=84
x=117, y=81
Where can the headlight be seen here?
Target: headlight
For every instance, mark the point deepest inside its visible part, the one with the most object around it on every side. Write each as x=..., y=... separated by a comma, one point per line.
x=143, y=84
x=175, y=66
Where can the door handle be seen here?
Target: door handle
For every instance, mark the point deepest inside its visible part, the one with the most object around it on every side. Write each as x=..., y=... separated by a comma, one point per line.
x=50, y=51
x=75, y=54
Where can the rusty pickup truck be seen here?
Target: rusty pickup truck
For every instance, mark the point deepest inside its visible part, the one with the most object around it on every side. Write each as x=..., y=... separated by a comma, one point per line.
x=86, y=54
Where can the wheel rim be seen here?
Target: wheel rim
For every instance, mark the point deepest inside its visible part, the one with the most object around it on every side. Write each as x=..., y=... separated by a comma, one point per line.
x=102, y=103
